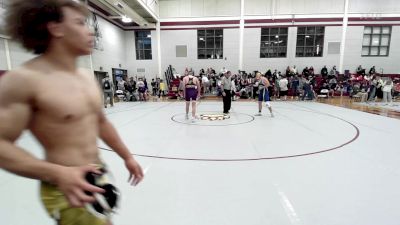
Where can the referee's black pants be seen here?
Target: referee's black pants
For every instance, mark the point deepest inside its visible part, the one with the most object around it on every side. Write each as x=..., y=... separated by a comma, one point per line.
x=227, y=99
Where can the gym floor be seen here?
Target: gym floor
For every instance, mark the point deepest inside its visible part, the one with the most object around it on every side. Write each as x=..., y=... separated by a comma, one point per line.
x=311, y=164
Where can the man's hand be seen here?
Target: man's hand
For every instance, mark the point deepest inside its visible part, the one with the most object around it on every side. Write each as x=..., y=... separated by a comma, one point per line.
x=223, y=93
x=71, y=181
x=135, y=171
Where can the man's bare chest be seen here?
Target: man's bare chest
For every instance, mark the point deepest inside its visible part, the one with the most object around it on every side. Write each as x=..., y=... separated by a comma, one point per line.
x=66, y=99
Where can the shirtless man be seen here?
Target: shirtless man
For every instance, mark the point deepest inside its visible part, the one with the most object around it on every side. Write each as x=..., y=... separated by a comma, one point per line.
x=191, y=93
x=61, y=105
x=263, y=94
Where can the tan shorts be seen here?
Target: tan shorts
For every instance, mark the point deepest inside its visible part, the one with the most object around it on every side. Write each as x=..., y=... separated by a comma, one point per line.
x=59, y=209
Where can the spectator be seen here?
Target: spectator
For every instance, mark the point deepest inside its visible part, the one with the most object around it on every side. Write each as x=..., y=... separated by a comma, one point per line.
x=332, y=85
x=324, y=72
x=372, y=88
x=132, y=82
x=142, y=89
x=121, y=84
x=306, y=72
x=294, y=70
x=307, y=89
x=287, y=72
x=163, y=88
x=387, y=91
x=372, y=70
x=283, y=86
x=202, y=72
x=153, y=87
x=332, y=73
x=268, y=74
x=224, y=70
x=205, y=82
x=360, y=70
x=311, y=71
x=295, y=86
x=108, y=91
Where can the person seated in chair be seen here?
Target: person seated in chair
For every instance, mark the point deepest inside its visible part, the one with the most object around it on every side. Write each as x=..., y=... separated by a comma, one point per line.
x=372, y=71
x=324, y=72
x=332, y=85
x=360, y=70
x=142, y=90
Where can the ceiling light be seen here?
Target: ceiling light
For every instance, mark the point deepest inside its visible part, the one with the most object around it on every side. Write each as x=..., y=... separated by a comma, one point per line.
x=119, y=5
x=126, y=19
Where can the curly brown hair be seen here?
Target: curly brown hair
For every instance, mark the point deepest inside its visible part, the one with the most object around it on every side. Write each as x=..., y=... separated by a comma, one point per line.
x=26, y=21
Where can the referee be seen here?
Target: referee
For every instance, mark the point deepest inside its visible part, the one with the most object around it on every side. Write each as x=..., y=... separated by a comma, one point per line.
x=226, y=87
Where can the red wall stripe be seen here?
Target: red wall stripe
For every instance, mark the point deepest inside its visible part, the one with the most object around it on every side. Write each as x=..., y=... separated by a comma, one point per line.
x=373, y=24
x=199, y=28
x=299, y=20
x=269, y=26
x=272, y=21
x=375, y=19
x=200, y=23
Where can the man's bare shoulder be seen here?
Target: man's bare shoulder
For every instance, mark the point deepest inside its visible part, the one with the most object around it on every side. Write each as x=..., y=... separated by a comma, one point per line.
x=22, y=73
x=86, y=74
x=15, y=86
x=30, y=71
x=17, y=78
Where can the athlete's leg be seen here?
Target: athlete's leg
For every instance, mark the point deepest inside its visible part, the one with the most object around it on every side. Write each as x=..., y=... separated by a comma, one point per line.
x=194, y=104
x=187, y=109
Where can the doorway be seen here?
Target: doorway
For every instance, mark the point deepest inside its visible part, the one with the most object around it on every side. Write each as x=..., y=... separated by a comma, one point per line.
x=100, y=75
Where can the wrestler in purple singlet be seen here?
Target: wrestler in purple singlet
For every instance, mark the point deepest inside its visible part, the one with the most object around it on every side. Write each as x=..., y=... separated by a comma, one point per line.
x=191, y=90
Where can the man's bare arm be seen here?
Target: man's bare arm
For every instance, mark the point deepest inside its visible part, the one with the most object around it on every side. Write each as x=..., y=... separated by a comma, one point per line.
x=199, y=89
x=15, y=114
x=110, y=136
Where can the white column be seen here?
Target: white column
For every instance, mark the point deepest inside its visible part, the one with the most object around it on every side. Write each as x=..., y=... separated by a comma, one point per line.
x=344, y=31
x=8, y=57
x=241, y=33
x=91, y=63
x=158, y=29
x=273, y=9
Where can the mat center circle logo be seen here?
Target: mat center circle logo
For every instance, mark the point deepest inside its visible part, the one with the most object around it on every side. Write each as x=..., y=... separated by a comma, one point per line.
x=214, y=117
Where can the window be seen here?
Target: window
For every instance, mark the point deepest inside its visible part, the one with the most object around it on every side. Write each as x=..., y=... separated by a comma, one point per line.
x=376, y=41
x=210, y=44
x=143, y=45
x=273, y=42
x=310, y=41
